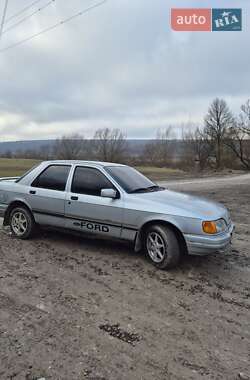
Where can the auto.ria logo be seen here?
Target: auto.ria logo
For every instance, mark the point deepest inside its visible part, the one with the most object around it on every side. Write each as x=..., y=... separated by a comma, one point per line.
x=206, y=19
x=227, y=20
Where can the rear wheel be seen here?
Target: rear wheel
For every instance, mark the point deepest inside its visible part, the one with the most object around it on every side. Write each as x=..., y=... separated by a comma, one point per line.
x=162, y=246
x=22, y=223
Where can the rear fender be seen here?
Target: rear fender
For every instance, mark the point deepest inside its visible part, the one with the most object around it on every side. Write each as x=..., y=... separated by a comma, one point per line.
x=13, y=204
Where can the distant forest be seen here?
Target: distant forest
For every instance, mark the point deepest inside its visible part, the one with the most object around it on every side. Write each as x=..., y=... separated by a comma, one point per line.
x=223, y=141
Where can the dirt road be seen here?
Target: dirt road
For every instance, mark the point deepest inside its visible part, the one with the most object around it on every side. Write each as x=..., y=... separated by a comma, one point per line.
x=73, y=308
x=208, y=183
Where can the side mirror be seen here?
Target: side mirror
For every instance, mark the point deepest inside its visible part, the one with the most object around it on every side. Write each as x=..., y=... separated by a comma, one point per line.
x=109, y=193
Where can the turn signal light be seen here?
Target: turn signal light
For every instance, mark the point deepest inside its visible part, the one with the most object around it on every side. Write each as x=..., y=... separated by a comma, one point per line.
x=209, y=227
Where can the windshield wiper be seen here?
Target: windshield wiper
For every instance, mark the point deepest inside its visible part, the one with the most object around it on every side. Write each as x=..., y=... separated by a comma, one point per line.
x=147, y=189
x=139, y=190
x=155, y=187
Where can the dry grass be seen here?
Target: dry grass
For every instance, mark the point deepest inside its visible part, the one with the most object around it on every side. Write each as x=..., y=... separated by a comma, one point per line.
x=156, y=173
x=10, y=167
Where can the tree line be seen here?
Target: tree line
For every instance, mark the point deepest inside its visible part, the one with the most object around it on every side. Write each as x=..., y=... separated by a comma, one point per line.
x=222, y=140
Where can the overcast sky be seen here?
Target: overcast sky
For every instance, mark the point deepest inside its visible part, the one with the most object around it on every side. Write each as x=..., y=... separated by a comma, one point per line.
x=118, y=66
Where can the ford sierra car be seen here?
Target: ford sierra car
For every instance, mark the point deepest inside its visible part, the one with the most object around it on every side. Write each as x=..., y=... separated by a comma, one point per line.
x=115, y=201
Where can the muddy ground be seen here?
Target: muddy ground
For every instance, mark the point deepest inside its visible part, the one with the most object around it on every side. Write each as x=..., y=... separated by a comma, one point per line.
x=73, y=308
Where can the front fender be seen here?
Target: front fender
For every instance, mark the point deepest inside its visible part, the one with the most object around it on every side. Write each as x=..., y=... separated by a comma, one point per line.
x=179, y=224
x=175, y=220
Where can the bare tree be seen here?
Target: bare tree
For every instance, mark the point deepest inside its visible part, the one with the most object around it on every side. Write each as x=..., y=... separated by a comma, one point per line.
x=160, y=150
x=41, y=153
x=110, y=145
x=69, y=147
x=217, y=121
x=7, y=154
x=238, y=136
x=165, y=146
x=150, y=154
x=244, y=118
x=197, y=148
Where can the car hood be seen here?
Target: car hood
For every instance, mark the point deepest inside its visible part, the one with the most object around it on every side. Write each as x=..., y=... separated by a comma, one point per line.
x=175, y=203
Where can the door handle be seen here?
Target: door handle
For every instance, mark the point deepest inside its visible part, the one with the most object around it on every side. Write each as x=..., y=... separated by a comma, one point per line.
x=32, y=192
x=73, y=198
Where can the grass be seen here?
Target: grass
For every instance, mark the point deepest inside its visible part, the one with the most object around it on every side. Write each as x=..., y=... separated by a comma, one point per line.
x=155, y=173
x=10, y=167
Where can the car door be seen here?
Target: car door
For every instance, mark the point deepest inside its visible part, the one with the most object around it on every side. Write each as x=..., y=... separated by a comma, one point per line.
x=46, y=195
x=86, y=210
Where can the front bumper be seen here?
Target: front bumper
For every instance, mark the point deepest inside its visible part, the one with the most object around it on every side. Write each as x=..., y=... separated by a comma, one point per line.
x=204, y=245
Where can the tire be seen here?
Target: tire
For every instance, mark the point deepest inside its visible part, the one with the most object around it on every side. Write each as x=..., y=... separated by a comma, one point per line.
x=162, y=246
x=22, y=223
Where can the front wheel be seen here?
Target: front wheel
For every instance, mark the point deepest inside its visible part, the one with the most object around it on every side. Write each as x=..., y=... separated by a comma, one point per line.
x=162, y=246
x=22, y=223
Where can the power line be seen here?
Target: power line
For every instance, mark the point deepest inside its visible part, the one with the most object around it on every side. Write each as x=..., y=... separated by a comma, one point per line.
x=28, y=17
x=81, y=13
x=3, y=18
x=23, y=10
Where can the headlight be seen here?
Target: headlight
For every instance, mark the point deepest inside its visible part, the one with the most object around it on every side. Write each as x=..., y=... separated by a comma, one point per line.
x=214, y=227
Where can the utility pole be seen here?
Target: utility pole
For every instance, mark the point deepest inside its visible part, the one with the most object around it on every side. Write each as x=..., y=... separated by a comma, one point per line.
x=3, y=18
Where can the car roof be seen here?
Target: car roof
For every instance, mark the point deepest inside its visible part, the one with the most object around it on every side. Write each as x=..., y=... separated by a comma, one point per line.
x=82, y=162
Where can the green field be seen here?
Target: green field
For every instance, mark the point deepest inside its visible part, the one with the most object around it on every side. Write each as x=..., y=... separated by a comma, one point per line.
x=10, y=167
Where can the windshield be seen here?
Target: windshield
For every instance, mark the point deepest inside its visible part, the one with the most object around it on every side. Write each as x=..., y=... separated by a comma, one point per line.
x=131, y=180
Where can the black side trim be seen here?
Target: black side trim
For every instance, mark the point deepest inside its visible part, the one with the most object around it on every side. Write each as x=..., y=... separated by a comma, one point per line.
x=59, y=215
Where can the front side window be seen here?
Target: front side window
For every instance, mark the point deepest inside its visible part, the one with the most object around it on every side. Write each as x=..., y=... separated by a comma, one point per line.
x=53, y=178
x=89, y=181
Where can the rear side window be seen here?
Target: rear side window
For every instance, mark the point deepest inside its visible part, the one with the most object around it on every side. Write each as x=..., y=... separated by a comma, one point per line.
x=89, y=181
x=53, y=178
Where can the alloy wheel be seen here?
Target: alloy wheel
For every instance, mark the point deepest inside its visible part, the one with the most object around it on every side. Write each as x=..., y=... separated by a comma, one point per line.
x=156, y=247
x=19, y=223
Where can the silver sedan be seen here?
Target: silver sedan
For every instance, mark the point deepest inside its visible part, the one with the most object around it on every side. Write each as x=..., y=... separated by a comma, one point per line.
x=116, y=201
